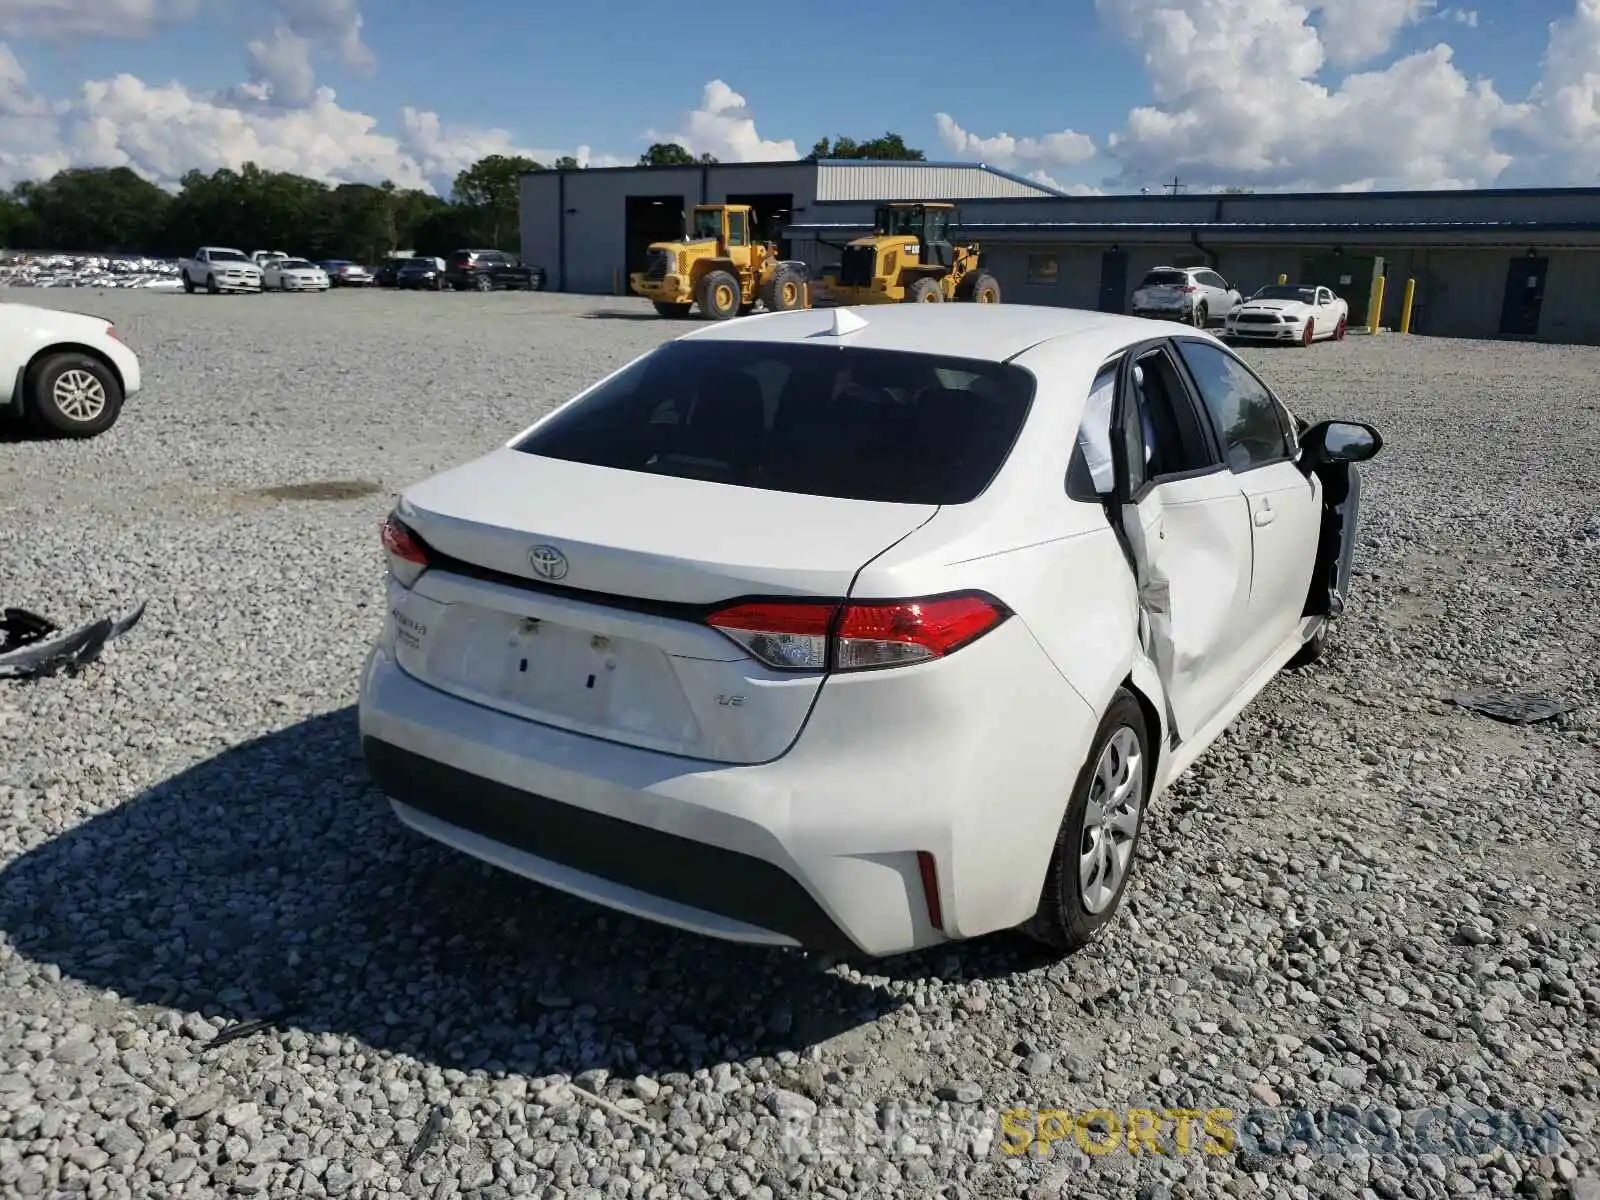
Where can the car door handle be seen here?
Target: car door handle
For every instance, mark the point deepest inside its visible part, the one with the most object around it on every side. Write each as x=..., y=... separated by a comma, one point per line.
x=1264, y=513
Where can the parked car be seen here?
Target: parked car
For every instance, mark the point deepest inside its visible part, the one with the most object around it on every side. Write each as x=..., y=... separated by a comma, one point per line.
x=344, y=273
x=864, y=656
x=422, y=273
x=219, y=269
x=67, y=373
x=294, y=275
x=1196, y=295
x=489, y=270
x=387, y=275
x=263, y=258
x=1290, y=312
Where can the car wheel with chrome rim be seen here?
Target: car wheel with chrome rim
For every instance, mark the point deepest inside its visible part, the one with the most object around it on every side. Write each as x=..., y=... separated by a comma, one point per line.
x=74, y=395
x=1094, y=853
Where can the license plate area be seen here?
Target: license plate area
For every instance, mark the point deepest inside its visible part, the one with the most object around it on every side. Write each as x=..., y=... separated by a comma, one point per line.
x=546, y=666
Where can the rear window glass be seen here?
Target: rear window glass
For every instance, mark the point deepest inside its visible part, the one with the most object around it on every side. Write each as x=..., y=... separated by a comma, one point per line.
x=850, y=423
x=1165, y=278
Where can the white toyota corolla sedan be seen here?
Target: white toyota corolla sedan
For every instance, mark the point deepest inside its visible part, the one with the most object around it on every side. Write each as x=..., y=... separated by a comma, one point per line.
x=856, y=630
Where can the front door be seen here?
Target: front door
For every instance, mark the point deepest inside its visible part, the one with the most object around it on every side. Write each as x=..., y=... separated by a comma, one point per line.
x=1258, y=441
x=1519, y=314
x=1187, y=528
x=1113, y=281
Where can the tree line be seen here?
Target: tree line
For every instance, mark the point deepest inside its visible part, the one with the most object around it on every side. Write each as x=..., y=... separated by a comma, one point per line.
x=114, y=210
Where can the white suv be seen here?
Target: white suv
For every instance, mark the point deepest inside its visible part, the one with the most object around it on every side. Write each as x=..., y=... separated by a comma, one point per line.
x=1196, y=295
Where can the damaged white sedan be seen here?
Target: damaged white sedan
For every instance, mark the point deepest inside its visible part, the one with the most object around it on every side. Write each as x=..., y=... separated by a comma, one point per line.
x=860, y=630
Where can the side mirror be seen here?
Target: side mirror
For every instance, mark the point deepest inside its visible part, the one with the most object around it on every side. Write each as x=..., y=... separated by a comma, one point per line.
x=1330, y=442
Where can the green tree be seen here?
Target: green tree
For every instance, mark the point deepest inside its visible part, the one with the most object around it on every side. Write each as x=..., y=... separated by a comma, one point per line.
x=97, y=209
x=567, y=163
x=19, y=228
x=891, y=147
x=671, y=154
x=493, y=187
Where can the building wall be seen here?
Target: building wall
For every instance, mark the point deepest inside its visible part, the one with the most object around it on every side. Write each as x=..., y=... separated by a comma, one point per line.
x=876, y=182
x=1571, y=311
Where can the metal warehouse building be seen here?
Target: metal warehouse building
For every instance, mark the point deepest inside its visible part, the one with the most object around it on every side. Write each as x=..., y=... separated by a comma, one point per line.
x=1507, y=263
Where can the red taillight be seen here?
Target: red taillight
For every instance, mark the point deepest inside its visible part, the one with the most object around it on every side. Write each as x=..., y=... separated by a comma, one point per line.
x=1192, y=287
x=408, y=558
x=816, y=636
x=930, y=888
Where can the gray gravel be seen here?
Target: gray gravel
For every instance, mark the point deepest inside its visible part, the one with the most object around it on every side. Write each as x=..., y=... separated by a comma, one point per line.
x=1362, y=904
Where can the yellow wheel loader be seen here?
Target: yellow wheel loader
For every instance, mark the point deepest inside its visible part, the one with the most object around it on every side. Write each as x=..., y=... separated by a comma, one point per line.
x=909, y=258
x=720, y=268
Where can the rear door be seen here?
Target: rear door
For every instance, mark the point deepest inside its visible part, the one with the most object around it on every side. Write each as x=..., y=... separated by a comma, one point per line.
x=1260, y=445
x=1187, y=527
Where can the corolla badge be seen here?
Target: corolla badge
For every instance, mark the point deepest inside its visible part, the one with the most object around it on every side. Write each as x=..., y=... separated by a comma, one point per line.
x=548, y=563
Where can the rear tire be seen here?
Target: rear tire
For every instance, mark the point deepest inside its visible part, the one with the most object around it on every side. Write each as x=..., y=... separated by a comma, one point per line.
x=1339, y=330
x=924, y=291
x=188, y=284
x=666, y=309
x=719, y=296
x=1094, y=859
x=73, y=395
x=483, y=283
x=1202, y=315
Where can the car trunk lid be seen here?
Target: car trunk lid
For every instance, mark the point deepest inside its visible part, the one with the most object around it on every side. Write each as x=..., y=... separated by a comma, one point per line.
x=575, y=595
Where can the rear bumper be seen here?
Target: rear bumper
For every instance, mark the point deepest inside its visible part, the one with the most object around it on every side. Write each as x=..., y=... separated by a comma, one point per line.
x=817, y=849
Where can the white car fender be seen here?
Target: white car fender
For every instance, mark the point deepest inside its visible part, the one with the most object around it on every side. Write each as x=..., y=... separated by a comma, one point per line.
x=27, y=330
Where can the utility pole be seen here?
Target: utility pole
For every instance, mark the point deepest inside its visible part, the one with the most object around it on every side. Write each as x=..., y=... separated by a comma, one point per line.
x=1174, y=187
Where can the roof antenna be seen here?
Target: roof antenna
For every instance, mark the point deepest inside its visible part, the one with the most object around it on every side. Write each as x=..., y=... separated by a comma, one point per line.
x=845, y=321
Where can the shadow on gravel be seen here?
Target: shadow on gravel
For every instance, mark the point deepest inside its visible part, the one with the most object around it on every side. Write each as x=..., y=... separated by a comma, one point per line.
x=607, y=314
x=272, y=879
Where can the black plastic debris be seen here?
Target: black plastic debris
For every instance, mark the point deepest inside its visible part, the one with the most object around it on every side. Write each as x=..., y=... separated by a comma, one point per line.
x=244, y=1029
x=428, y=1136
x=33, y=647
x=1514, y=708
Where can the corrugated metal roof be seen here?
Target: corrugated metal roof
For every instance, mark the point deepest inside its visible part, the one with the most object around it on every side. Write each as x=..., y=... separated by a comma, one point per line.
x=873, y=181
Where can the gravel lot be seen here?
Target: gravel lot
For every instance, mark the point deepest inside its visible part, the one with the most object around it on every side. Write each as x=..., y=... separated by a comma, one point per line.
x=1362, y=902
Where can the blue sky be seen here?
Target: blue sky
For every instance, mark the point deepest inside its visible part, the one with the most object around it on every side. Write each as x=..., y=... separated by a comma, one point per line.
x=1262, y=93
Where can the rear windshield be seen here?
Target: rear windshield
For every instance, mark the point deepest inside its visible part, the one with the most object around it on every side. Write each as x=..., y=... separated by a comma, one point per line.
x=820, y=420
x=1165, y=278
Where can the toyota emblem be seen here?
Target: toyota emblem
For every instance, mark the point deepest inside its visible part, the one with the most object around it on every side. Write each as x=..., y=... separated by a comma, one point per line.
x=548, y=562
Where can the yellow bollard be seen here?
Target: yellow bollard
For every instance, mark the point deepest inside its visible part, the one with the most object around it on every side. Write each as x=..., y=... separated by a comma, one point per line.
x=1405, y=308
x=1375, y=316
x=1282, y=279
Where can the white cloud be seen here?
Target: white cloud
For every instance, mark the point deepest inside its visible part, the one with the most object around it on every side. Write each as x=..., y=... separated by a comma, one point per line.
x=283, y=66
x=1354, y=31
x=1562, y=121
x=164, y=130
x=335, y=23
x=59, y=20
x=724, y=128
x=1461, y=16
x=1064, y=149
x=1238, y=102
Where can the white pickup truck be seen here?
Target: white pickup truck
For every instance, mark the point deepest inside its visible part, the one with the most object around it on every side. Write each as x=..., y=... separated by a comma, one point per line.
x=219, y=269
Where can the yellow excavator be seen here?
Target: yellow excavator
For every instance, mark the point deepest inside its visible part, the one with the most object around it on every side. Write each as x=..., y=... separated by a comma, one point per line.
x=908, y=258
x=721, y=268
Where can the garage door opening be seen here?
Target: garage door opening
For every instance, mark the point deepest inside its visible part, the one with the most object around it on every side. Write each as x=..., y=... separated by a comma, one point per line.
x=650, y=219
x=773, y=211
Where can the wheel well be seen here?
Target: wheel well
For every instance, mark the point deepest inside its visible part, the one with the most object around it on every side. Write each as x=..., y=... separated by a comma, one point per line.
x=1152, y=722
x=70, y=348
